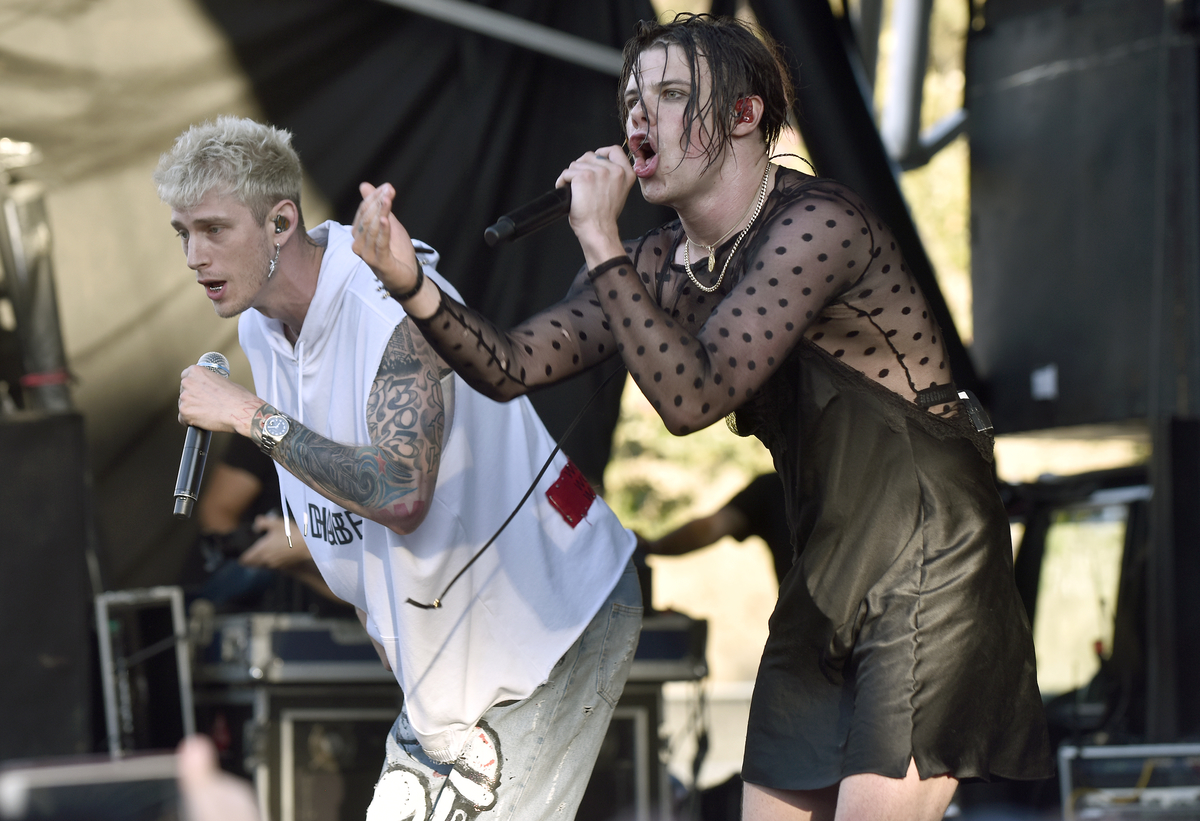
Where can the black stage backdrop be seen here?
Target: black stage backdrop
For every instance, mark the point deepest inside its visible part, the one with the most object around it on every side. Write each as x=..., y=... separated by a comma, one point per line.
x=466, y=127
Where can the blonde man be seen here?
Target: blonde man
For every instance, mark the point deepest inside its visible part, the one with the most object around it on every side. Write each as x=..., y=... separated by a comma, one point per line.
x=510, y=660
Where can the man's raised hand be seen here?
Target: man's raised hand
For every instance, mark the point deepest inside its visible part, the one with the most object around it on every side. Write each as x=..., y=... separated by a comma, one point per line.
x=382, y=241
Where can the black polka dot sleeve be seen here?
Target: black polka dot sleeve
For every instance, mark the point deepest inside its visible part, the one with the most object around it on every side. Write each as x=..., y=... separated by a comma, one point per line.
x=799, y=260
x=816, y=263
x=568, y=337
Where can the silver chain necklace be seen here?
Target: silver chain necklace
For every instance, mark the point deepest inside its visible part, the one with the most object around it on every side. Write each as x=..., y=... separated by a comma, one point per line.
x=687, y=241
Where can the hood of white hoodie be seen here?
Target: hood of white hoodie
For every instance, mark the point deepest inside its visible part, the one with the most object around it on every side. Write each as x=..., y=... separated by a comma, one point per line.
x=296, y=379
x=337, y=272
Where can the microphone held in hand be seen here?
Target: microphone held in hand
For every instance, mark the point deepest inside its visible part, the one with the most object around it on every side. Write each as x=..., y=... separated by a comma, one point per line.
x=195, y=449
x=530, y=217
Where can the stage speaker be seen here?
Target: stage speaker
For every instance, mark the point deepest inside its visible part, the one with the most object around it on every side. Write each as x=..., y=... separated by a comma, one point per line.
x=1084, y=260
x=45, y=599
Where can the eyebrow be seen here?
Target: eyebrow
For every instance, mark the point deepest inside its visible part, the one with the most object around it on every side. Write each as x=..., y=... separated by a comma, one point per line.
x=658, y=85
x=202, y=221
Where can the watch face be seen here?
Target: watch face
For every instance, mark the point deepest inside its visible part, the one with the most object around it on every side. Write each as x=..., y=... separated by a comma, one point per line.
x=276, y=426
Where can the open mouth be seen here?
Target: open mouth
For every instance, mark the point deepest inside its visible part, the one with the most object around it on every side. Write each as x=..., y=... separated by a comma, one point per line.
x=644, y=155
x=214, y=289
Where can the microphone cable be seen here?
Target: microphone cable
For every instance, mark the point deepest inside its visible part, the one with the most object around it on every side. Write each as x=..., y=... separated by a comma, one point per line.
x=437, y=603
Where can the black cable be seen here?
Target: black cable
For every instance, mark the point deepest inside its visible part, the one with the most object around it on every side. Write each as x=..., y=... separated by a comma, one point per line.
x=797, y=156
x=437, y=603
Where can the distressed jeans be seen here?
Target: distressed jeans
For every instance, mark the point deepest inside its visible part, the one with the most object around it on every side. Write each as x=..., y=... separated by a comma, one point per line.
x=528, y=759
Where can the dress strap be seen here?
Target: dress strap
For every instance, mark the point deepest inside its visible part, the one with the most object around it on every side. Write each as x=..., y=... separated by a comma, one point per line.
x=937, y=395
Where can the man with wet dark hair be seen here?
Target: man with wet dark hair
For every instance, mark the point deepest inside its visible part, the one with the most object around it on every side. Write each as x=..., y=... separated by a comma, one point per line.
x=748, y=61
x=900, y=657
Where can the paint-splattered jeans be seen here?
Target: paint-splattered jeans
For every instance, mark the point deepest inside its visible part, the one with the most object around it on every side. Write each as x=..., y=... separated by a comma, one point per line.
x=529, y=759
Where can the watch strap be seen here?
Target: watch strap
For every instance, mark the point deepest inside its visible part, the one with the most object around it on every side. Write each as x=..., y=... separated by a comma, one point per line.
x=268, y=441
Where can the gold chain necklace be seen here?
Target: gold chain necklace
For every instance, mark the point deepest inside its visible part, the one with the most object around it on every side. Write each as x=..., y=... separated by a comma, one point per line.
x=712, y=262
x=687, y=241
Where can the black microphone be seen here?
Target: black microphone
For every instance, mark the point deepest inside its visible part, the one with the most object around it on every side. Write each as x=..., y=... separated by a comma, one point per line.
x=531, y=216
x=195, y=449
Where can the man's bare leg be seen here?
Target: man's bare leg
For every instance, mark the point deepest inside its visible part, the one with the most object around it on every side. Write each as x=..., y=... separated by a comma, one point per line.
x=866, y=797
x=870, y=797
x=767, y=804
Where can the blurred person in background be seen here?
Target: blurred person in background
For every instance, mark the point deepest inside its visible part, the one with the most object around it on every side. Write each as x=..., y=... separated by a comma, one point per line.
x=247, y=561
x=758, y=509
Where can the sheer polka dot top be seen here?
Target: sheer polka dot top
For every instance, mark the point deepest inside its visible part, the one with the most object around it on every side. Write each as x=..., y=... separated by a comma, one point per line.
x=817, y=264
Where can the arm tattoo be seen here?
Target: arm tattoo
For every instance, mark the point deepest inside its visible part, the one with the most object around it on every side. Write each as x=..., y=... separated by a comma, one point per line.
x=393, y=477
x=405, y=409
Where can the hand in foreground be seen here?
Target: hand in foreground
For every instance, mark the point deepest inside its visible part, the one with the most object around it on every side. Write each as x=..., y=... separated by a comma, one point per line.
x=214, y=403
x=600, y=181
x=208, y=793
x=382, y=242
x=272, y=550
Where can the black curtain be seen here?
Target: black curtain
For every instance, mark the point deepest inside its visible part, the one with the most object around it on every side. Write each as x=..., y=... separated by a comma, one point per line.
x=466, y=127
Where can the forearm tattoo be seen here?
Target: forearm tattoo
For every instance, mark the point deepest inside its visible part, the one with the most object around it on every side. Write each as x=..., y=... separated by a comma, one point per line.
x=393, y=477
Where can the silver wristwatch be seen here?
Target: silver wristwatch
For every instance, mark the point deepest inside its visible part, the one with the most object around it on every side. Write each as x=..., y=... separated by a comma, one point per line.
x=274, y=429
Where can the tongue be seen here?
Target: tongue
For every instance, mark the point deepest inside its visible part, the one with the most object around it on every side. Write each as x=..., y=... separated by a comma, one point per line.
x=644, y=166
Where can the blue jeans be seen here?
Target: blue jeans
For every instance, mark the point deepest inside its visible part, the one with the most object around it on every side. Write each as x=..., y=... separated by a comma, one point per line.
x=528, y=759
x=233, y=584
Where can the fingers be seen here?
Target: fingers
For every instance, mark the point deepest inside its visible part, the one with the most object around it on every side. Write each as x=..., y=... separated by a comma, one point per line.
x=381, y=241
x=371, y=225
x=606, y=166
x=260, y=554
x=184, y=395
x=251, y=558
x=213, y=403
x=377, y=203
x=191, y=381
x=197, y=759
x=615, y=154
x=600, y=181
x=208, y=793
x=271, y=550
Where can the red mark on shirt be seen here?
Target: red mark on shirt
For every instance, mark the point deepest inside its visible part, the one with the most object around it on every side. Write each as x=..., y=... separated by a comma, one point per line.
x=571, y=495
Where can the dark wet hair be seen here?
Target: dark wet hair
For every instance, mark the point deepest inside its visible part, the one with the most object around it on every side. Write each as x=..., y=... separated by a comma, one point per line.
x=742, y=61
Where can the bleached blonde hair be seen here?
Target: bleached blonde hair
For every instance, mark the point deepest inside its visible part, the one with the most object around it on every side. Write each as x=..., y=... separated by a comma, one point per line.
x=253, y=162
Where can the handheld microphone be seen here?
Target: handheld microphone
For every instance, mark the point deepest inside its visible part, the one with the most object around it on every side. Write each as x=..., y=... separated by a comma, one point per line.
x=534, y=215
x=195, y=449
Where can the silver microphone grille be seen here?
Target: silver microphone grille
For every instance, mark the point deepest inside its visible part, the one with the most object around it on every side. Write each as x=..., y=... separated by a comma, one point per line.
x=215, y=362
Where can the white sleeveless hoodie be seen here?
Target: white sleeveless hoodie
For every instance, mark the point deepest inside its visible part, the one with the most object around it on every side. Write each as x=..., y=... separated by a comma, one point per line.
x=512, y=615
